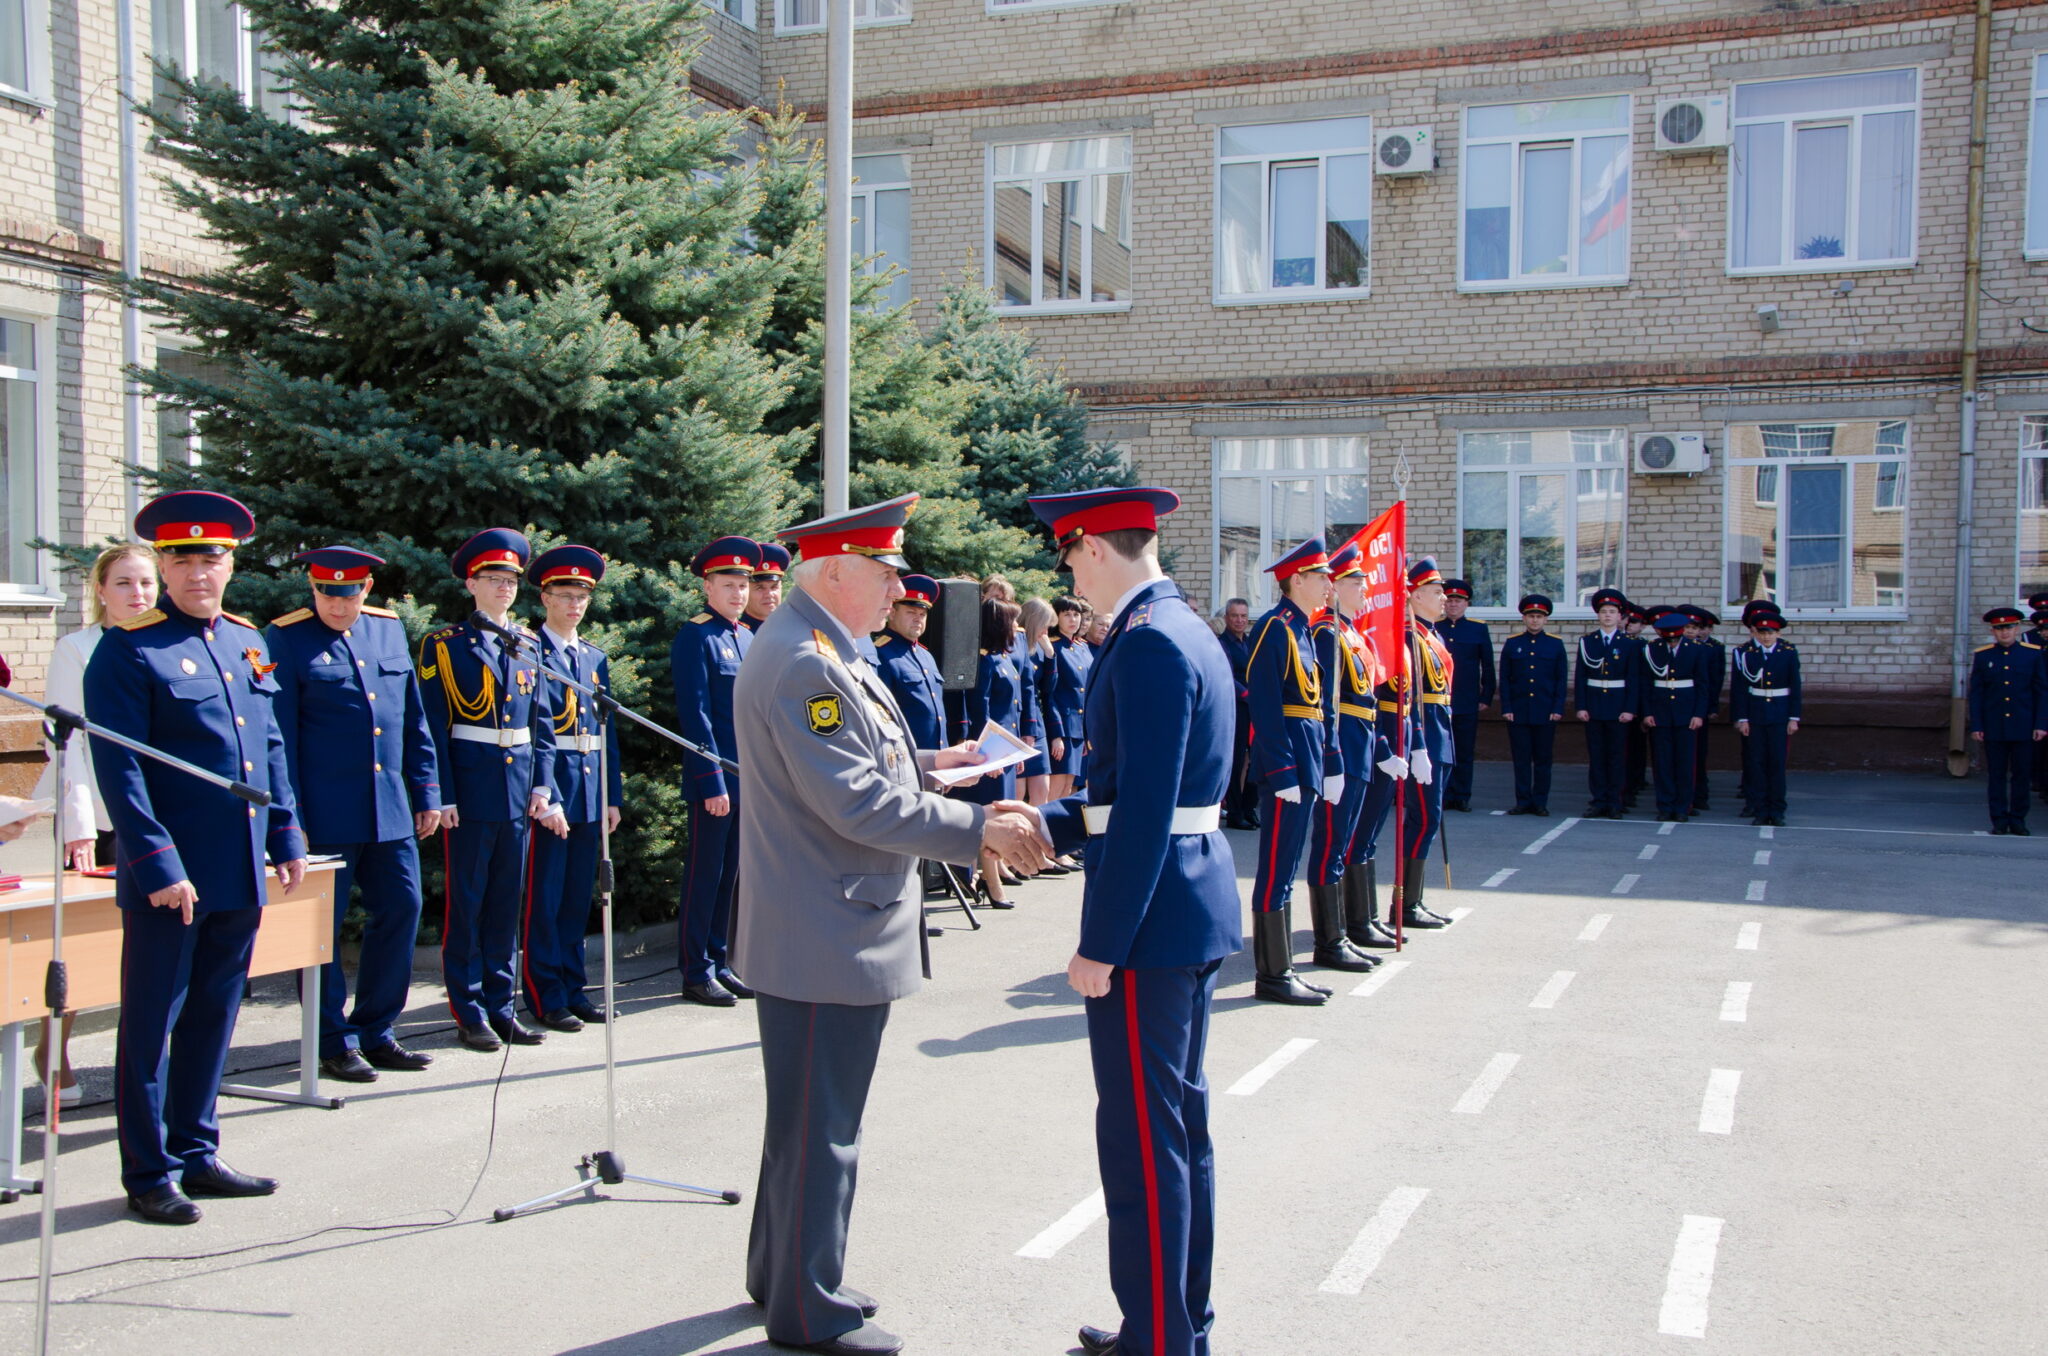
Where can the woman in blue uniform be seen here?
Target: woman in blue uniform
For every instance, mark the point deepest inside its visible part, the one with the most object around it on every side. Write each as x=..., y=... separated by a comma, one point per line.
x=1072, y=662
x=1036, y=620
x=997, y=695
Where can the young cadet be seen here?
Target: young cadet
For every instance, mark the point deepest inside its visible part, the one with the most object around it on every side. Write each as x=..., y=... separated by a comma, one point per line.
x=1430, y=758
x=1671, y=673
x=908, y=667
x=1765, y=702
x=1159, y=912
x=1241, y=802
x=564, y=870
x=764, y=588
x=495, y=745
x=1350, y=671
x=1636, y=738
x=1751, y=610
x=1701, y=632
x=369, y=787
x=705, y=661
x=2008, y=716
x=1533, y=688
x=1470, y=644
x=1604, y=695
x=2039, y=635
x=1291, y=745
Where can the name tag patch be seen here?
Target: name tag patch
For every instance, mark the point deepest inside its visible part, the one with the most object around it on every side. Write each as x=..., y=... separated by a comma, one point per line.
x=824, y=714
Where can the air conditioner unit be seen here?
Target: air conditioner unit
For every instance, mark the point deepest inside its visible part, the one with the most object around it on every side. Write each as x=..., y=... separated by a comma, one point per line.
x=1693, y=124
x=1404, y=150
x=1671, y=453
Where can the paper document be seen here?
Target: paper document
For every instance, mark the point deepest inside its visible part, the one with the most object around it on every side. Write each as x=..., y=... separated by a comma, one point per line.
x=999, y=749
x=13, y=811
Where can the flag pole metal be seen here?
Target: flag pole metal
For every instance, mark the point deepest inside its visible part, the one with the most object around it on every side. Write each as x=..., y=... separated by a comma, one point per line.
x=838, y=253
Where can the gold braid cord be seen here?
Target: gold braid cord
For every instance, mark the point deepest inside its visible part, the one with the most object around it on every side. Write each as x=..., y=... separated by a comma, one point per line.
x=566, y=722
x=465, y=709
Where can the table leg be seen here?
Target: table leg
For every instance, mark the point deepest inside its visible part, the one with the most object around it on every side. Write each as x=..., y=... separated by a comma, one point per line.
x=309, y=1093
x=12, y=1183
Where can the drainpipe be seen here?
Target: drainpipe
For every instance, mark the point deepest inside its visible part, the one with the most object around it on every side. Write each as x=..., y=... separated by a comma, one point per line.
x=1966, y=459
x=131, y=258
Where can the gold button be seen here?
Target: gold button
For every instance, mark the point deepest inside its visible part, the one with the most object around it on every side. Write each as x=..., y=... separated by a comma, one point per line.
x=209, y=635
x=248, y=767
x=240, y=721
x=359, y=663
x=372, y=696
x=376, y=767
x=252, y=814
x=377, y=730
x=508, y=758
x=349, y=632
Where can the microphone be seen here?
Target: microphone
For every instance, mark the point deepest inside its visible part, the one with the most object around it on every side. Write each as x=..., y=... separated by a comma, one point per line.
x=503, y=632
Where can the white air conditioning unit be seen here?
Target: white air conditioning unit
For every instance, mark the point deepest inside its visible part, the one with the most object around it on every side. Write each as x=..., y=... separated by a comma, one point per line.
x=1693, y=124
x=1663, y=454
x=1404, y=150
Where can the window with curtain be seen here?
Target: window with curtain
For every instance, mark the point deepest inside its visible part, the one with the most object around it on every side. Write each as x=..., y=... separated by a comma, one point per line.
x=808, y=16
x=1059, y=223
x=177, y=438
x=24, y=471
x=739, y=11
x=1271, y=493
x=2037, y=164
x=213, y=42
x=881, y=223
x=1293, y=209
x=1816, y=515
x=1545, y=193
x=24, y=45
x=1823, y=172
x=1541, y=511
x=2033, y=533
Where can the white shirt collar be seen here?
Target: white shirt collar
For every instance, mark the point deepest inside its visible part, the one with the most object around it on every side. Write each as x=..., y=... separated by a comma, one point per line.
x=1131, y=593
x=568, y=643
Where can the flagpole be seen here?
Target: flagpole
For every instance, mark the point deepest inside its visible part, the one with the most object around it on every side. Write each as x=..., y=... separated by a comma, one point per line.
x=1402, y=689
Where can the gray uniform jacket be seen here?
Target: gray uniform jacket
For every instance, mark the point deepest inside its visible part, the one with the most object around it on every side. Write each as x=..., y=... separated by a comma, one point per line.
x=836, y=819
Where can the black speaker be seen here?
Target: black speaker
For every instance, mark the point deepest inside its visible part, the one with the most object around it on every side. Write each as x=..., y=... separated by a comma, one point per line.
x=953, y=634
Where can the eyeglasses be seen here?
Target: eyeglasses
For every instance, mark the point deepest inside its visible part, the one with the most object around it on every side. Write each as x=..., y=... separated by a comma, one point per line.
x=496, y=580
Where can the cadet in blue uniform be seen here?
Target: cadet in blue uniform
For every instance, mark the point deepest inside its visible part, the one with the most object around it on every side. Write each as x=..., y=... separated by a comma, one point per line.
x=1765, y=702
x=1604, y=695
x=1294, y=759
x=1350, y=672
x=1430, y=757
x=1159, y=913
x=1671, y=674
x=563, y=875
x=908, y=668
x=1636, y=762
x=495, y=744
x=1701, y=632
x=705, y=660
x=2039, y=635
x=1533, y=688
x=1241, y=801
x=2008, y=716
x=1472, y=686
x=1066, y=732
x=764, y=589
x=1751, y=610
x=195, y=682
x=368, y=787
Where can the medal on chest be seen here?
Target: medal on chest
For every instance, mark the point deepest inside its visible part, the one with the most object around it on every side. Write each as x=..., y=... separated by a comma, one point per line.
x=524, y=678
x=188, y=666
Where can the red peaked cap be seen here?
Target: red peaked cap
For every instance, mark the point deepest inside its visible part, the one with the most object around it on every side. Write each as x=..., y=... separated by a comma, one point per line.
x=874, y=531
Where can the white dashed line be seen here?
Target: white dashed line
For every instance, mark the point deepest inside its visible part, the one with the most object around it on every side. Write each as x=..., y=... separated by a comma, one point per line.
x=1270, y=1065
x=1500, y=812
x=1377, y=980
x=1488, y=1083
x=1625, y=884
x=1717, y=1109
x=1649, y=851
x=1767, y=833
x=1370, y=1247
x=1459, y=915
x=1494, y=881
x=1756, y=891
x=1684, y=1313
x=1065, y=1229
x=1735, y=1003
x=1749, y=936
x=1547, y=839
x=1553, y=989
x=1763, y=857
x=1665, y=830
x=1595, y=925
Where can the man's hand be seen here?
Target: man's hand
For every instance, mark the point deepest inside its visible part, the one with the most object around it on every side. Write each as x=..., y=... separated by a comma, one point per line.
x=1419, y=765
x=1559, y=715
x=1011, y=831
x=1088, y=978
x=611, y=818
x=1978, y=735
x=424, y=822
x=2040, y=735
x=1394, y=765
x=1649, y=722
x=1585, y=715
x=554, y=821
x=964, y=754
x=1791, y=727
x=78, y=854
x=1742, y=728
x=718, y=807
x=1507, y=715
x=289, y=874
x=448, y=817
x=1694, y=723
x=1627, y=716
x=1333, y=788
x=180, y=897
x=1290, y=794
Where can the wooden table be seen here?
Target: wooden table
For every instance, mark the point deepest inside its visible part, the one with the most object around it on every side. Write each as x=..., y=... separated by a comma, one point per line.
x=296, y=933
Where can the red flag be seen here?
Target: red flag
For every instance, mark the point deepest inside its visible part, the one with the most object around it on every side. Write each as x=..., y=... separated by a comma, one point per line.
x=1383, y=542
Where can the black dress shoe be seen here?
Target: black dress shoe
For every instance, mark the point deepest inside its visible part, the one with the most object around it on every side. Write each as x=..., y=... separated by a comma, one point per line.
x=349, y=1067
x=478, y=1038
x=512, y=1033
x=561, y=1019
x=866, y=1340
x=1097, y=1341
x=1412, y=919
x=733, y=985
x=710, y=993
x=1521, y=810
x=868, y=1305
x=2022, y=831
x=396, y=1056
x=218, y=1179
x=589, y=1012
x=2000, y=830
x=1541, y=812
x=165, y=1205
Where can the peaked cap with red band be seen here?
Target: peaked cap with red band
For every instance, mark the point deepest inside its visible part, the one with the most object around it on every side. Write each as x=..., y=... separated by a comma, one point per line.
x=875, y=531
x=1673, y=622
x=1604, y=597
x=338, y=570
x=2003, y=616
x=727, y=555
x=1757, y=607
x=1077, y=513
x=920, y=590
x=1348, y=560
x=195, y=522
x=774, y=561
x=1458, y=588
x=1424, y=571
x=568, y=565
x=1307, y=558
x=494, y=548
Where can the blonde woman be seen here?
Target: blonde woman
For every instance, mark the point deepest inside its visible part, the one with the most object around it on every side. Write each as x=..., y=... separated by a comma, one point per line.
x=1038, y=623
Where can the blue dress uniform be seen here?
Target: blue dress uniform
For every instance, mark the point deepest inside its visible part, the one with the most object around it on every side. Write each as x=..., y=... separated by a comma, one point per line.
x=1351, y=672
x=1066, y=701
x=1470, y=643
x=1603, y=686
x=1751, y=610
x=2039, y=635
x=1765, y=692
x=774, y=564
x=1241, y=800
x=1160, y=904
x=1030, y=709
x=563, y=878
x=705, y=661
x=1001, y=693
x=363, y=765
x=912, y=675
x=1533, y=686
x=200, y=689
x=1717, y=679
x=1422, y=806
x=2008, y=711
x=1672, y=674
x=496, y=749
x=1635, y=737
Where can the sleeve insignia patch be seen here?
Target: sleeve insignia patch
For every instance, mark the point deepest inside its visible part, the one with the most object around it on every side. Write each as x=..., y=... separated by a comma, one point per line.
x=824, y=714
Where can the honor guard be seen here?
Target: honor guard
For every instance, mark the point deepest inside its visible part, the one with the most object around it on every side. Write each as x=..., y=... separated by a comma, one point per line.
x=564, y=869
x=2008, y=715
x=1701, y=632
x=1342, y=912
x=496, y=747
x=1604, y=695
x=196, y=683
x=1472, y=688
x=1534, y=686
x=1672, y=674
x=1432, y=750
x=1295, y=758
x=1241, y=801
x=705, y=660
x=764, y=590
x=908, y=667
x=1159, y=912
x=369, y=788
x=1765, y=701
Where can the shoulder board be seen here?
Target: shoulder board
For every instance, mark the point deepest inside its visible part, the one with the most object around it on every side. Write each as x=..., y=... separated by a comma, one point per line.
x=149, y=618
x=378, y=611
x=1788, y=646
x=701, y=617
x=445, y=633
x=2026, y=644
x=827, y=649
x=290, y=617
x=1982, y=648
x=241, y=620
x=1140, y=616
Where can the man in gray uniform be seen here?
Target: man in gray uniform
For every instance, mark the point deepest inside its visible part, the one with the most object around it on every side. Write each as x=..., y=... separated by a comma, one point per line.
x=828, y=910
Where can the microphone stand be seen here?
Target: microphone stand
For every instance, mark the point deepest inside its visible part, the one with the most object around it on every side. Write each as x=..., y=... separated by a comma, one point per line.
x=606, y=1166
x=59, y=725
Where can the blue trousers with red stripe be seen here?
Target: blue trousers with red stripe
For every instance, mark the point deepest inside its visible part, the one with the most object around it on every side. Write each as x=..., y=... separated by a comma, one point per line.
x=710, y=875
x=1334, y=830
x=1422, y=811
x=1283, y=833
x=486, y=894
x=1146, y=1039
x=563, y=882
x=389, y=874
x=1379, y=805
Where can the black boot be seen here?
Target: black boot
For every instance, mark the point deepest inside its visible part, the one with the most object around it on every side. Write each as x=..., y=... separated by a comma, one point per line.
x=1362, y=908
x=1413, y=915
x=1272, y=956
x=1333, y=950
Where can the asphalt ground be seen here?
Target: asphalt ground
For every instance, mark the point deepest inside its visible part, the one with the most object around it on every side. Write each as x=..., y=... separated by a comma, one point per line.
x=1545, y=1132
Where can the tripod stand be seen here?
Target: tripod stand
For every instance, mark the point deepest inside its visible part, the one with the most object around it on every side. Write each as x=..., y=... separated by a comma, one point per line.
x=606, y=1166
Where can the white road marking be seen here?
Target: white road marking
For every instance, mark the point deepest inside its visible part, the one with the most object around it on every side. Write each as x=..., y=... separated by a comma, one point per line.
x=1370, y=1247
x=1749, y=936
x=1684, y=1313
x=1500, y=812
x=1717, y=1109
x=1735, y=1003
x=1756, y=891
x=1488, y=1083
x=1767, y=833
x=1270, y=1065
x=1596, y=925
x=1377, y=980
x=1649, y=851
x=1497, y=877
x=1625, y=884
x=1553, y=989
x=1762, y=858
x=1458, y=915
x=1065, y=1229
x=1547, y=839
x=1667, y=829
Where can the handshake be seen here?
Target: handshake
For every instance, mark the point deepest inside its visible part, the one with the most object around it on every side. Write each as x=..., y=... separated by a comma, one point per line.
x=1015, y=833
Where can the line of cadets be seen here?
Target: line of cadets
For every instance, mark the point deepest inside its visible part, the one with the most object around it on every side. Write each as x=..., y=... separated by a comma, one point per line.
x=2008, y=712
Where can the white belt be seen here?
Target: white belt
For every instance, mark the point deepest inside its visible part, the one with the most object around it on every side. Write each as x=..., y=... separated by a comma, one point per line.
x=1770, y=692
x=579, y=743
x=504, y=739
x=1187, y=819
x=1607, y=682
x=1671, y=682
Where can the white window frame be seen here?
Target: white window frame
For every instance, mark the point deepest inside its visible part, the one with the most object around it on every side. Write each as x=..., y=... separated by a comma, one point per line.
x=1037, y=179
x=1322, y=291
x=1026, y=6
x=2033, y=450
x=248, y=52
x=2034, y=240
x=863, y=16
x=1847, y=612
x=35, y=23
x=1854, y=116
x=1262, y=593
x=43, y=590
x=1517, y=588
x=746, y=18
x=1545, y=282
x=864, y=210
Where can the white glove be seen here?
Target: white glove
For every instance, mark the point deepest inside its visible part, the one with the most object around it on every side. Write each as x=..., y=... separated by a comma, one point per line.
x=1333, y=787
x=1420, y=766
x=1290, y=794
x=1394, y=765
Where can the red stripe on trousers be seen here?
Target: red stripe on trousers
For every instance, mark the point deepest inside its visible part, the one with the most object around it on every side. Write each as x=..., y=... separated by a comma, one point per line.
x=1272, y=853
x=447, y=908
x=1151, y=1172
x=526, y=929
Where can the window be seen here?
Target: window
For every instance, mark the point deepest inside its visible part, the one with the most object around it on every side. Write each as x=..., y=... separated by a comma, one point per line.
x=212, y=42
x=1546, y=194
x=808, y=16
x=881, y=222
x=1059, y=223
x=1293, y=210
x=1271, y=493
x=2033, y=535
x=1823, y=172
x=25, y=453
x=1002, y=6
x=1541, y=512
x=741, y=12
x=177, y=439
x=1816, y=515
x=2037, y=165
x=25, y=49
